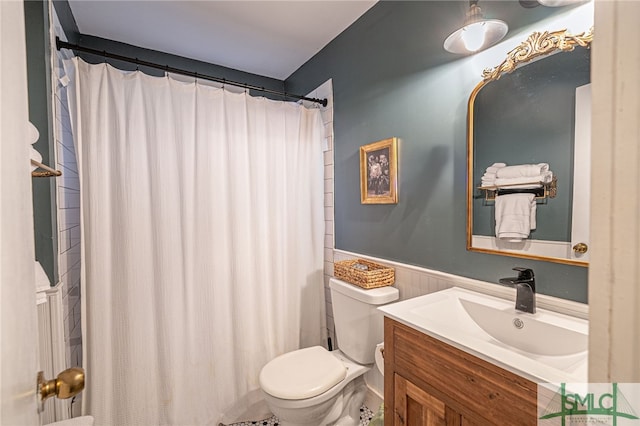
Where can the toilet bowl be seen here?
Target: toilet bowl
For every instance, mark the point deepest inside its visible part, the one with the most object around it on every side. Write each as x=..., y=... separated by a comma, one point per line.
x=315, y=387
x=322, y=401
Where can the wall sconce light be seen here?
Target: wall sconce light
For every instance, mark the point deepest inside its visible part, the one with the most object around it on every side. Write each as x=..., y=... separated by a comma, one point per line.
x=476, y=33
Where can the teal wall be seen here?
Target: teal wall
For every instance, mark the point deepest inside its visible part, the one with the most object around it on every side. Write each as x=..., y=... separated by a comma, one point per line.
x=38, y=79
x=391, y=77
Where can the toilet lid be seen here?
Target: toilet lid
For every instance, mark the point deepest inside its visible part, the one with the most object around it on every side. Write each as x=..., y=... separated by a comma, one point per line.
x=301, y=374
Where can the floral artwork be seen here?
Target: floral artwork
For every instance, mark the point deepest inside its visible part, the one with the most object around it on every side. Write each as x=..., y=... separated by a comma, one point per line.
x=378, y=172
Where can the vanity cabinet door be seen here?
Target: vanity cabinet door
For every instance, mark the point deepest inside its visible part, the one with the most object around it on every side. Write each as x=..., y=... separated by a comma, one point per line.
x=415, y=407
x=428, y=382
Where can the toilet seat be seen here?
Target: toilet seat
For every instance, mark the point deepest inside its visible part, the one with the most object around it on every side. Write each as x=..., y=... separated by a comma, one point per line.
x=301, y=374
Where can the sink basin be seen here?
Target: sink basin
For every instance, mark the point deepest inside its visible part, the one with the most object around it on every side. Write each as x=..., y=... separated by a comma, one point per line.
x=527, y=334
x=544, y=347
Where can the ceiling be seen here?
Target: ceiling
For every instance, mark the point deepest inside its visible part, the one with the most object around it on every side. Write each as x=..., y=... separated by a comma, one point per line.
x=244, y=35
x=273, y=38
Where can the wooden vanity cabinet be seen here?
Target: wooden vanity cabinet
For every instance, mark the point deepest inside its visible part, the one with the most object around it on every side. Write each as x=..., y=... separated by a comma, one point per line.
x=428, y=383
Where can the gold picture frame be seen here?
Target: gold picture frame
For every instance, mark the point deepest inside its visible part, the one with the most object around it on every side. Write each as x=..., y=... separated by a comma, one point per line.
x=379, y=172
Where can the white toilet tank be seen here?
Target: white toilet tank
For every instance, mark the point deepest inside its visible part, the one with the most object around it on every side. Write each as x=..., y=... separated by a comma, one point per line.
x=359, y=325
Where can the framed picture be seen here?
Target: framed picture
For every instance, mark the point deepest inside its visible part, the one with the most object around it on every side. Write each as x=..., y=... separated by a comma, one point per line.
x=379, y=172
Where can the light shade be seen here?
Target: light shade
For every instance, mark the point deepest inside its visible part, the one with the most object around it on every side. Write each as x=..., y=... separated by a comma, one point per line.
x=476, y=34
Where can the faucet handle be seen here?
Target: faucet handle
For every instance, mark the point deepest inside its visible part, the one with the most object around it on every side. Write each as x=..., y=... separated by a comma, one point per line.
x=524, y=273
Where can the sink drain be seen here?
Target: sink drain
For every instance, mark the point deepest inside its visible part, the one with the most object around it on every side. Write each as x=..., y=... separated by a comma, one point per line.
x=518, y=323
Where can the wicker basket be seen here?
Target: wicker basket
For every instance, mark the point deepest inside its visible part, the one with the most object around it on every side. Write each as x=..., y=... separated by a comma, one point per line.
x=375, y=276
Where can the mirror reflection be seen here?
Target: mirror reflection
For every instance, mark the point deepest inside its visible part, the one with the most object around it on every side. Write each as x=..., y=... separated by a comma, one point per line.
x=528, y=118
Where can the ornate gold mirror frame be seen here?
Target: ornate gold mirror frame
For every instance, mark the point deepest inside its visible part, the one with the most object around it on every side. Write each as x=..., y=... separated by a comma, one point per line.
x=536, y=45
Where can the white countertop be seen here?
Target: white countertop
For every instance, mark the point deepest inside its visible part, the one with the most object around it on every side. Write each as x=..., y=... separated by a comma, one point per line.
x=442, y=315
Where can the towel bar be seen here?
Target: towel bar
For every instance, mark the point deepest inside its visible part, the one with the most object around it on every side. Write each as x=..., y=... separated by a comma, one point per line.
x=546, y=190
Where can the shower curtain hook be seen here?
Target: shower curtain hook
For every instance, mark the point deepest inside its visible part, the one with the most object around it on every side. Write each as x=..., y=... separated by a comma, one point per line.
x=104, y=55
x=224, y=81
x=137, y=65
x=196, y=74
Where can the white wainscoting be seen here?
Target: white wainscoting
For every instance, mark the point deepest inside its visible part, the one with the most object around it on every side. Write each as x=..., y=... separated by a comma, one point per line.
x=413, y=281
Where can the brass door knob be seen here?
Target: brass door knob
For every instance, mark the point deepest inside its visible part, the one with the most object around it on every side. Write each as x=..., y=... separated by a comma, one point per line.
x=68, y=383
x=580, y=248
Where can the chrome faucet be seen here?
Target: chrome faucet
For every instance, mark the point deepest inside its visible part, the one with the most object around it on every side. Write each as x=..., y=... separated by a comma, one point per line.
x=525, y=285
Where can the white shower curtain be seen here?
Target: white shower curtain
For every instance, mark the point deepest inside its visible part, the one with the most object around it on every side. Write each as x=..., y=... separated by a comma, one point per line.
x=202, y=243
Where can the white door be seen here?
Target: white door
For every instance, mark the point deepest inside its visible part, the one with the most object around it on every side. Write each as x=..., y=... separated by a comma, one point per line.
x=18, y=325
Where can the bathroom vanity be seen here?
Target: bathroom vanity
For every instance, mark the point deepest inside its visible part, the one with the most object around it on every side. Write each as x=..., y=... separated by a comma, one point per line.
x=428, y=382
x=459, y=357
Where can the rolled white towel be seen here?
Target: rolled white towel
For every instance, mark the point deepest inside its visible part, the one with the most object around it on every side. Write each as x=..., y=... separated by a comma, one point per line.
x=495, y=166
x=488, y=179
x=522, y=170
x=532, y=186
x=534, y=180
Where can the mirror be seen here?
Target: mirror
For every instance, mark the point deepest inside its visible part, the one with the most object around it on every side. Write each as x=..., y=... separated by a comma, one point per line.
x=524, y=112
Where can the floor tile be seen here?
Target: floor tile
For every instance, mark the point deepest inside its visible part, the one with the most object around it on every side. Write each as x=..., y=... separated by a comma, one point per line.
x=365, y=417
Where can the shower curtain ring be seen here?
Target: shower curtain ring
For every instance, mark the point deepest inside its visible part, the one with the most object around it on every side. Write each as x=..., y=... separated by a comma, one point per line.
x=137, y=65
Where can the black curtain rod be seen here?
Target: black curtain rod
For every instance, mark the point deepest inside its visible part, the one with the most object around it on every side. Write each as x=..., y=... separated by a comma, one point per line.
x=64, y=45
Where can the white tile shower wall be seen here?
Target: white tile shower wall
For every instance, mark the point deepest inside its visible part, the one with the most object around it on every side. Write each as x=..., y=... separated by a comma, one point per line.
x=325, y=91
x=68, y=202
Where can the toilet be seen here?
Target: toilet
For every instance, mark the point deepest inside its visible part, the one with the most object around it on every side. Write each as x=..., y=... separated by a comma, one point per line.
x=315, y=387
